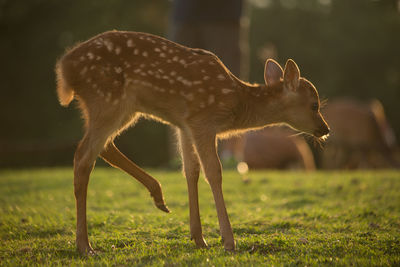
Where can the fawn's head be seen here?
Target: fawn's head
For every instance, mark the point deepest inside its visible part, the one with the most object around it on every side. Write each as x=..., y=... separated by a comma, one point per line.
x=298, y=97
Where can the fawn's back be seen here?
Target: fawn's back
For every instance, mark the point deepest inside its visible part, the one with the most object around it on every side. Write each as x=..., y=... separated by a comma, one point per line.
x=149, y=74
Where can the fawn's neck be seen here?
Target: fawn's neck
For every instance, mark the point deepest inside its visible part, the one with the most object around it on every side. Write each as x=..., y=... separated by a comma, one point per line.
x=259, y=106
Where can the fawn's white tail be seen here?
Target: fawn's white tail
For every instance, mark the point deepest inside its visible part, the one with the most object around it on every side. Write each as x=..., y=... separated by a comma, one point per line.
x=64, y=92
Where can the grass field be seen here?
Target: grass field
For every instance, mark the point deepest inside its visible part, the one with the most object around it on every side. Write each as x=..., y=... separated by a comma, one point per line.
x=279, y=218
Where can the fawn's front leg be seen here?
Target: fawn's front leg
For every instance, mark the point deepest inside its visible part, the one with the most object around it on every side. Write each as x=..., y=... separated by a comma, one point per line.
x=206, y=149
x=191, y=169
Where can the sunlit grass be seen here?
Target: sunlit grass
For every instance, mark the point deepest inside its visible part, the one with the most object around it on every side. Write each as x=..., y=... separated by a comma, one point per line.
x=279, y=218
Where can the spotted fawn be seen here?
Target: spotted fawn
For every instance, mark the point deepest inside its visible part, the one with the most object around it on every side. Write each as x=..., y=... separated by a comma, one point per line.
x=118, y=77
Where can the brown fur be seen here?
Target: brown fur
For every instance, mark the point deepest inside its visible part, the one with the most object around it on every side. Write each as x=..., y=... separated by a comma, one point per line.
x=119, y=76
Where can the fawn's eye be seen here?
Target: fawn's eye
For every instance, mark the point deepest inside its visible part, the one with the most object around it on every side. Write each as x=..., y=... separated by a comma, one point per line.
x=314, y=106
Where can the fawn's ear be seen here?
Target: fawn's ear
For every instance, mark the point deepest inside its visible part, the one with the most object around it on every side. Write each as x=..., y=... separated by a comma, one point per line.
x=291, y=76
x=272, y=72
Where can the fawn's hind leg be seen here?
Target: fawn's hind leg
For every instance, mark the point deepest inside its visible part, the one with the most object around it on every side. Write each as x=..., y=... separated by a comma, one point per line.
x=84, y=160
x=97, y=134
x=115, y=158
x=191, y=169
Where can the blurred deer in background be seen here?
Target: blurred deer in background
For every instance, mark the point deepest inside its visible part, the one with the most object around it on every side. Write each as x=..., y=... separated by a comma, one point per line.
x=275, y=148
x=270, y=148
x=361, y=136
x=118, y=77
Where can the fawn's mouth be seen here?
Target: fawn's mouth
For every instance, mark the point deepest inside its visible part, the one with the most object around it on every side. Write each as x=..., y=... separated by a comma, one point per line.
x=321, y=134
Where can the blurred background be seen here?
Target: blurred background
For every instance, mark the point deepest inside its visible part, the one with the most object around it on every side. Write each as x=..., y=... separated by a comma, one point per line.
x=350, y=50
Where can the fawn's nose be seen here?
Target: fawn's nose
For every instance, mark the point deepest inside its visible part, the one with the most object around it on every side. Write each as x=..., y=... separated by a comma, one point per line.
x=323, y=130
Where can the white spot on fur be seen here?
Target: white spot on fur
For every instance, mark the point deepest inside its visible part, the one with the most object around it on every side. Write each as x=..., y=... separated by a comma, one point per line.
x=98, y=58
x=226, y=91
x=109, y=45
x=145, y=54
x=163, y=55
x=197, y=82
x=187, y=83
x=92, y=67
x=164, y=47
x=211, y=62
x=90, y=55
x=98, y=42
x=136, y=51
x=157, y=49
x=82, y=58
x=117, y=50
x=118, y=69
x=129, y=43
x=221, y=77
x=206, y=78
x=182, y=61
x=175, y=58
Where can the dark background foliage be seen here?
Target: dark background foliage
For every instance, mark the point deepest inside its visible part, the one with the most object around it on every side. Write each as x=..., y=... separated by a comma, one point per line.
x=346, y=48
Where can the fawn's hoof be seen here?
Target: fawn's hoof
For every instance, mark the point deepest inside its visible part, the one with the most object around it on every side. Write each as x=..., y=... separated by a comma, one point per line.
x=163, y=207
x=229, y=246
x=86, y=251
x=200, y=242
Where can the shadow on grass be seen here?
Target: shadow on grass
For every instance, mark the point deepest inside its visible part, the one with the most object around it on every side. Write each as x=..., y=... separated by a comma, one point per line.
x=24, y=233
x=258, y=227
x=260, y=248
x=298, y=203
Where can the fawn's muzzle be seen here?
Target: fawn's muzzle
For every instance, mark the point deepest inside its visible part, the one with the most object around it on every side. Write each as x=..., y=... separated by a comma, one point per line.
x=323, y=130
